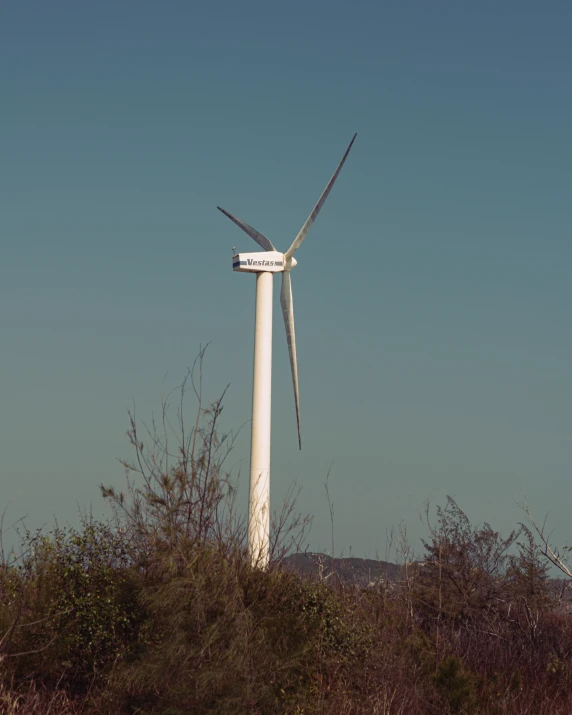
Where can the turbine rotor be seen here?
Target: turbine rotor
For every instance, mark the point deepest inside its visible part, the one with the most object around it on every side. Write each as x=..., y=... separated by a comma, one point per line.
x=284, y=266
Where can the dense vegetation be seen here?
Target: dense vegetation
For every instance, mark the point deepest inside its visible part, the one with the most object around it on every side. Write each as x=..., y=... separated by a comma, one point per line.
x=159, y=611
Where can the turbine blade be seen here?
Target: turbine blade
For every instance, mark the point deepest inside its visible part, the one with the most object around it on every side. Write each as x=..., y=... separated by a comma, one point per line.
x=288, y=315
x=260, y=239
x=316, y=210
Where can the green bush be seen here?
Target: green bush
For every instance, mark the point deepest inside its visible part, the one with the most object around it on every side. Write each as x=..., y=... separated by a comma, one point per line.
x=456, y=685
x=72, y=605
x=223, y=637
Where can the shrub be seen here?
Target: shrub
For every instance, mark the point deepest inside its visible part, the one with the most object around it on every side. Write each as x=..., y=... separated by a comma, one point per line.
x=72, y=606
x=456, y=685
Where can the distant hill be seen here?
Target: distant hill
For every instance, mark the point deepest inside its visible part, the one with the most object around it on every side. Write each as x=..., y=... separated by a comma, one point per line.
x=362, y=572
x=368, y=572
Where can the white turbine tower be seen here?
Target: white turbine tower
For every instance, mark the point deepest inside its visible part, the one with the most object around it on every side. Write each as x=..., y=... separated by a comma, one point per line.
x=264, y=265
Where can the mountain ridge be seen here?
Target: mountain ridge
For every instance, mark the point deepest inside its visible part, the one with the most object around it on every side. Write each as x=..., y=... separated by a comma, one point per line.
x=349, y=570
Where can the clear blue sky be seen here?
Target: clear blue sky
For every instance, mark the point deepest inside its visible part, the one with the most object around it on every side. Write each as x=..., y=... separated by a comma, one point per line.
x=432, y=295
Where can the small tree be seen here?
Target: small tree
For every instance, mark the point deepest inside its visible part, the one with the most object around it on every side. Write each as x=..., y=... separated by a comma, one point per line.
x=528, y=593
x=528, y=573
x=184, y=495
x=180, y=496
x=464, y=565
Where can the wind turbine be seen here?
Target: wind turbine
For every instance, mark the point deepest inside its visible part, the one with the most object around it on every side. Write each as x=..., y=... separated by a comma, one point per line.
x=264, y=265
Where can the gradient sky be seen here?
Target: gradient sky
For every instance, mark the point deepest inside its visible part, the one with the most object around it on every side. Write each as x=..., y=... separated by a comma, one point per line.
x=432, y=295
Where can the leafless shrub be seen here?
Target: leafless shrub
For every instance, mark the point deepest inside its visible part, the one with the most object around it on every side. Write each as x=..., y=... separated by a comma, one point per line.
x=558, y=556
x=178, y=490
x=180, y=496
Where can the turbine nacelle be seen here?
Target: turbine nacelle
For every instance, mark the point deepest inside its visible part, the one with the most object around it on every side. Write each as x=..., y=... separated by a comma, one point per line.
x=259, y=262
x=262, y=262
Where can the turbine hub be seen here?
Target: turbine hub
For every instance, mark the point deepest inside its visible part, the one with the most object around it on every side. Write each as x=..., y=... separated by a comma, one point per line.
x=288, y=265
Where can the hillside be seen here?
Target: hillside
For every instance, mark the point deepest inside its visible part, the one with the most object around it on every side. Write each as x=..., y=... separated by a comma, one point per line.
x=356, y=571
